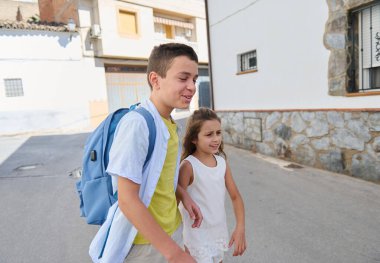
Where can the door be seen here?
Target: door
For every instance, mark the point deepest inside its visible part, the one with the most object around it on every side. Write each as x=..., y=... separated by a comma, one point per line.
x=126, y=85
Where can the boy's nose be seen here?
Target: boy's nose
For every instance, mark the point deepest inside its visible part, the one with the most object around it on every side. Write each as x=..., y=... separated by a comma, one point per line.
x=191, y=86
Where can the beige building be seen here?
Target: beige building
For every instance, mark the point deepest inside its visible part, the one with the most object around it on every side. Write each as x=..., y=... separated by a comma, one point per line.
x=121, y=34
x=87, y=58
x=18, y=10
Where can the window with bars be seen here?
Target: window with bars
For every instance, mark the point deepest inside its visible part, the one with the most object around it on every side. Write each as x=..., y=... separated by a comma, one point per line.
x=364, y=33
x=247, y=62
x=13, y=88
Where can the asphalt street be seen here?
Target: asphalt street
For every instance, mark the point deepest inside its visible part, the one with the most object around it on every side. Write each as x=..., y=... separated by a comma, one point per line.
x=293, y=215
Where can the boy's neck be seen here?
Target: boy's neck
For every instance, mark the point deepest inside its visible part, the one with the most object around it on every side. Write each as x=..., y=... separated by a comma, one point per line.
x=163, y=110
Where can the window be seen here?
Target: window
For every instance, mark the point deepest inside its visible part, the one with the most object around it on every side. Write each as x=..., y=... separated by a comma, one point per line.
x=173, y=29
x=364, y=72
x=247, y=62
x=13, y=88
x=127, y=23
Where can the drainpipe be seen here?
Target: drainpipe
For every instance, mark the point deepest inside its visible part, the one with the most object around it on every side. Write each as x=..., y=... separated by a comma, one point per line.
x=209, y=56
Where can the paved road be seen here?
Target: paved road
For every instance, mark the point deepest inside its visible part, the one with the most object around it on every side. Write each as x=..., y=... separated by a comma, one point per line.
x=293, y=215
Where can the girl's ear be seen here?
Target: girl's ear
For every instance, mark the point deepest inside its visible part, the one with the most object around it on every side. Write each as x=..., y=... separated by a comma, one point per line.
x=153, y=79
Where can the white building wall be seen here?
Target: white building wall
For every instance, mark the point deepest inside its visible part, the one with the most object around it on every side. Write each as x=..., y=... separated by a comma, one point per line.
x=291, y=58
x=58, y=83
x=114, y=45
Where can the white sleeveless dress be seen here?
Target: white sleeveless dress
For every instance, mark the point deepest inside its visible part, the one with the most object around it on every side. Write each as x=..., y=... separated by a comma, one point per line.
x=208, y=242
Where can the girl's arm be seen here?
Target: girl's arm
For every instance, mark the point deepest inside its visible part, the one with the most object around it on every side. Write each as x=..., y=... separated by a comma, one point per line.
x=185, y=178
x=238, y=236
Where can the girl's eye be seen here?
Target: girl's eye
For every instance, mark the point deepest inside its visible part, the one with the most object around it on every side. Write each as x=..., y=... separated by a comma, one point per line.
x=195, y=81
x=181, y=79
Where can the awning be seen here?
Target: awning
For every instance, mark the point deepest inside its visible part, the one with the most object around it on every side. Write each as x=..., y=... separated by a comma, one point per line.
x=172, y=22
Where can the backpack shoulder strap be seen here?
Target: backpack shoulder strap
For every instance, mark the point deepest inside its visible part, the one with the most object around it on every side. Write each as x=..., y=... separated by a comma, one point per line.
x=152, y=130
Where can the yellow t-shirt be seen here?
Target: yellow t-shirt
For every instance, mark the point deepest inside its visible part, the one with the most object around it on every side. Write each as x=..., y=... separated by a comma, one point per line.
x=163, y=205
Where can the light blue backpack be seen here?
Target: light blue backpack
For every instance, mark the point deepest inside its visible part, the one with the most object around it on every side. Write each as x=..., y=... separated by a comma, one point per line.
x=95, y=185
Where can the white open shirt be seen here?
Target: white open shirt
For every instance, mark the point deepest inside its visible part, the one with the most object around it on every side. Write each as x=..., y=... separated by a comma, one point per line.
x=127, y=156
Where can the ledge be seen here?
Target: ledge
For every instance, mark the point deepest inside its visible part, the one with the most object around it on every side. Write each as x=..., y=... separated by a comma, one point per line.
x=246, y=72
x=366, y=93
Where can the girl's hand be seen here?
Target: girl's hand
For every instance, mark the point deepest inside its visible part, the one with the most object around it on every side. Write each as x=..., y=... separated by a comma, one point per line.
x=238, y=238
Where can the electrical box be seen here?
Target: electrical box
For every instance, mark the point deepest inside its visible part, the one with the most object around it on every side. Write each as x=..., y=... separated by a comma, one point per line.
x=95, y=31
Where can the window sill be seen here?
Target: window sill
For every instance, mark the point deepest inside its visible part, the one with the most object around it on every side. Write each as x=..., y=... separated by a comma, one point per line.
x=367, y=93
x=133, y=36
x=246, y=72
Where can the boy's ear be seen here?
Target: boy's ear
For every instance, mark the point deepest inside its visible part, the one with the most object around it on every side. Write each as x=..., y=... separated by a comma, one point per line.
x=153, y=79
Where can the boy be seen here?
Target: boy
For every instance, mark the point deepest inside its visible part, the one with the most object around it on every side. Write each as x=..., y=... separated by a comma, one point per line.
x=145, y=223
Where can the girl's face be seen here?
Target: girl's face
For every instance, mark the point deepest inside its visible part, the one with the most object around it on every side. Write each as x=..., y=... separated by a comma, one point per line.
x=209, y=137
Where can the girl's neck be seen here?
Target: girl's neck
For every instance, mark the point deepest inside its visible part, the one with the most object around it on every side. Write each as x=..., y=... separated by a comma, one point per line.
x=207, y=159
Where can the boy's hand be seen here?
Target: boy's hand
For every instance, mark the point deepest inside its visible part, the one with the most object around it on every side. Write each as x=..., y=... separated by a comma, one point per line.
x=190, y=206
x=193, y=210
x=238, y=238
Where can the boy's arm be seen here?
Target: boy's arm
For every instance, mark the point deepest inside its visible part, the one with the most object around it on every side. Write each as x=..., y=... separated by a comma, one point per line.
x=185, y=178
x=238, y=236
x=136, y=212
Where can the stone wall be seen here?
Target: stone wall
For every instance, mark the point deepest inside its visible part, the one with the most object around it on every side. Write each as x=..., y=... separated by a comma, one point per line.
x=339, y=141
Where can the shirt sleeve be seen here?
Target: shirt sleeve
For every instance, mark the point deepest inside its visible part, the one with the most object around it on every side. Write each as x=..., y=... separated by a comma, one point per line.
x=129, y=148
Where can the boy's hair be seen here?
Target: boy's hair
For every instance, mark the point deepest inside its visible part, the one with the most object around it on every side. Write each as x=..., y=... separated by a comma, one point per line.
x=162, y=56
x=193, y=127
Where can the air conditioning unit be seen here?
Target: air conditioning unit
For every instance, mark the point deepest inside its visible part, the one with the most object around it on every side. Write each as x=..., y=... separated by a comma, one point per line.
x=95, y=31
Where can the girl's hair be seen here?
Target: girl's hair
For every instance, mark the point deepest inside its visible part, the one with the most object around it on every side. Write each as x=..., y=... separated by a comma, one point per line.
x=193, y=127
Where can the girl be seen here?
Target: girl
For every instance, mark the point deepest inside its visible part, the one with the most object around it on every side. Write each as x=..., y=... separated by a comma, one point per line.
x=205, y=174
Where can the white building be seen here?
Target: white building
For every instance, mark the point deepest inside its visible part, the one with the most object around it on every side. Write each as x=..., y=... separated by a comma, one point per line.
x=52, y=78
x=287, y=82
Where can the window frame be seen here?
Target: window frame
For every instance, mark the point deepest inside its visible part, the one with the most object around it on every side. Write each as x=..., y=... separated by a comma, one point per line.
x=360, y=77
x=121, y=10
x=244, y=58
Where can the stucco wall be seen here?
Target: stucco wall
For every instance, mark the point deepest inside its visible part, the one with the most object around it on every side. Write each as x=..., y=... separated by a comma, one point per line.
x=60, y=86
x=292, y=60
x=286, y=108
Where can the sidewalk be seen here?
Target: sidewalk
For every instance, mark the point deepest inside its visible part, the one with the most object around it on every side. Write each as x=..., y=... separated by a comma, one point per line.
x=293, y=215
x=304, y=215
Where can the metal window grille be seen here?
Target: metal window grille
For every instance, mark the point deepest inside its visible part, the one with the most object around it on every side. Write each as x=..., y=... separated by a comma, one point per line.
x=13, y=88
x=247, y=61
x=364, y=33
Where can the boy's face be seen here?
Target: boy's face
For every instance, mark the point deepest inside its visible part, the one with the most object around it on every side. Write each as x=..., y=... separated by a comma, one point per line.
x=178, y=87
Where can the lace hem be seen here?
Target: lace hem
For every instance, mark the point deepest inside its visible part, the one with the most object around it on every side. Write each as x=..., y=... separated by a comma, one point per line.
x=210, y=250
